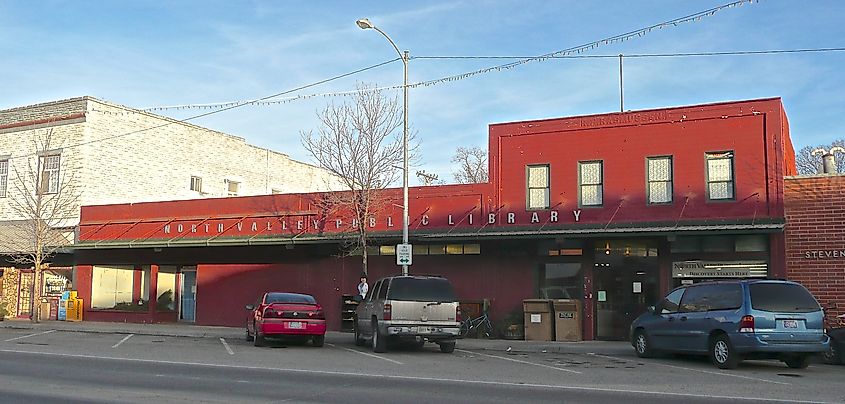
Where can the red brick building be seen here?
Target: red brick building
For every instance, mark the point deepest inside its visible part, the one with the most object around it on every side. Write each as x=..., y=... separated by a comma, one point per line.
x=815, y=236
x=610, y=209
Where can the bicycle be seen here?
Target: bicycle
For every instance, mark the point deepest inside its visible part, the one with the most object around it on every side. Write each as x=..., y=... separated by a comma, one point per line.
x=478, y=326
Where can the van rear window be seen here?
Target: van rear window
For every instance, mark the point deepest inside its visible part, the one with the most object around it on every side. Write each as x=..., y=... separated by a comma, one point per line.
x=421, y=289
x=782, y=297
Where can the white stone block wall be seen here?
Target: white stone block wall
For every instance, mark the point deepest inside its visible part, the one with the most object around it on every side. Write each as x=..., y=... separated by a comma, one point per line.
x=120, y=155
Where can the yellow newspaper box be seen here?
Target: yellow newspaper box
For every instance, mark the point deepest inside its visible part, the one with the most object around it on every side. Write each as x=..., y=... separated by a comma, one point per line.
x=74, y=308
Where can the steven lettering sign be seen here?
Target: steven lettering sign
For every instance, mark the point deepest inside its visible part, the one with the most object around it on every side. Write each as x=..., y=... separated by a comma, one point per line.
x=824, y=254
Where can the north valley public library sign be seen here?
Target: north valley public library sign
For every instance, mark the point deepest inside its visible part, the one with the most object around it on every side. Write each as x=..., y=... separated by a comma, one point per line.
x=302, y=223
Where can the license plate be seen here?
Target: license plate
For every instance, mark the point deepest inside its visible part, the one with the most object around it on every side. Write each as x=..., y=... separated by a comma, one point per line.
x=296, y=325
x=790, y=324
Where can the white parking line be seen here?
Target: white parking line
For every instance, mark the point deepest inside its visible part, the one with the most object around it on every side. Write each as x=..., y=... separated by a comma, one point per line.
x=366, y=354
x=30, y=335
x=225, y=345
x=732, y=375
x=422, y=378
x=519, y=361
x=122, y=341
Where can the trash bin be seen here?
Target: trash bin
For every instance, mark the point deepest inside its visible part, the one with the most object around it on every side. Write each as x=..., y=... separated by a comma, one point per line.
x=539, y=324
x=567, y=320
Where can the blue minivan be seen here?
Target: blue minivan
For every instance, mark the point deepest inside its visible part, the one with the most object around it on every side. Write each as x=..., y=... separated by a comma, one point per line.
x=735, y=320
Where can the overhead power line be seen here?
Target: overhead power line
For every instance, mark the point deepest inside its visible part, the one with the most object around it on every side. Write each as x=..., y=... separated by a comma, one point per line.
x=650, y=55
x=226, y=107
x=552, y=55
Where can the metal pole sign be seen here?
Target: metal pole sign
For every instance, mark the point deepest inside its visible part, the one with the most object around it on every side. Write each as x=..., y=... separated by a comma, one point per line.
x=403, y=254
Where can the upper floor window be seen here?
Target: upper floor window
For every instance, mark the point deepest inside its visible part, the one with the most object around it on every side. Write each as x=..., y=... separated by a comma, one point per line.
x=590, y=177
x=232, y=187
x=659, y=179
x=538, y=186
x=4, y=177
x=49, y=174
x=196, y=183
x=720, y=175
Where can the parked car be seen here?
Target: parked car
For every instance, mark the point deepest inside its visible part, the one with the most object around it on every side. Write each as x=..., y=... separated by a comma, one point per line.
x=286, y=315
x=835, y=354
x=412, y=308
x=735, y=320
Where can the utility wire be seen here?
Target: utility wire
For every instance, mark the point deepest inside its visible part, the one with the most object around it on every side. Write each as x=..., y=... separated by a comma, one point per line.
x=229, y=106
x=555, y=54
x=647, y=55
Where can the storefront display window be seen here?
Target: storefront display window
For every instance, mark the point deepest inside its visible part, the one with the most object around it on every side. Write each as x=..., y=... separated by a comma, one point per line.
x=165, y=287
x=560, y=280
x=114, y=288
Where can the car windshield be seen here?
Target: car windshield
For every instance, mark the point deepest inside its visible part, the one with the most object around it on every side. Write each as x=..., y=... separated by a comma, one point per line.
x=782, y=297
x=289, y=298
x=421, y=289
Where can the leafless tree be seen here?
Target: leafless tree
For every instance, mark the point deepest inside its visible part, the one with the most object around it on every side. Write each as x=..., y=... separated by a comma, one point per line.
x=361, y=143
x=45, y=198
x=472, y=165
x=809, y=164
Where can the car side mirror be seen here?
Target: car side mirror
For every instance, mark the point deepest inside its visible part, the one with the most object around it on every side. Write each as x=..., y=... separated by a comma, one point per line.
x=651, y=309
x=250, y=307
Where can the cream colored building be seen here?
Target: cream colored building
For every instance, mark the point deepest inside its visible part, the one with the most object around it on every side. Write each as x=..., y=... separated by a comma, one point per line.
x=117, y=154
x=110, y=153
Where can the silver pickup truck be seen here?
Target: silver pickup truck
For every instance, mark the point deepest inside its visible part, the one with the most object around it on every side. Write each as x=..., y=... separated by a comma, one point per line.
x=413, y=308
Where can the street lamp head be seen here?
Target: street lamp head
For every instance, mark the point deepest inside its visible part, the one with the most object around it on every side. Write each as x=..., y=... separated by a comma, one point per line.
x=365, y=23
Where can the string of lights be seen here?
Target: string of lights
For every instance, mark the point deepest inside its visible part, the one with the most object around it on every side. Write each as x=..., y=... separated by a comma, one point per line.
x=572, y=51
x=230, y=106
x=651, y=55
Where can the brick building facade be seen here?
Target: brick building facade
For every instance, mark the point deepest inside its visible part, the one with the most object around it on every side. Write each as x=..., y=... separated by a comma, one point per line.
x=612, y=210
x=815, y=236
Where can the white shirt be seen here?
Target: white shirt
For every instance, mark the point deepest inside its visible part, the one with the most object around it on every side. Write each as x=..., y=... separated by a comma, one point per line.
x=363, y=288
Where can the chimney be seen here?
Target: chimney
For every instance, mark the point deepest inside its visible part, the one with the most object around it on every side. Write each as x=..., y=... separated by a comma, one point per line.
x=828, y=159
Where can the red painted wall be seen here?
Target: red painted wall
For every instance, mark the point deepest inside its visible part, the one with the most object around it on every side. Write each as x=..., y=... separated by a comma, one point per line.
x=224, y=290
x=755, y=130
x=815, y=214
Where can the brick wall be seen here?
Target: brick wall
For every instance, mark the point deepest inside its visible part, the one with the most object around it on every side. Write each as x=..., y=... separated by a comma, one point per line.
x=815, y=235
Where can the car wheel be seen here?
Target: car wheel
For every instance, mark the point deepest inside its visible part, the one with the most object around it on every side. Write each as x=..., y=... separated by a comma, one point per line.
x=258, y=339
x=318, y=340
x=832, y=356
x=797, y=361
x=722, y=352
x=359, y=340
x=379, y=341
x=447, y=347
x=642, y=345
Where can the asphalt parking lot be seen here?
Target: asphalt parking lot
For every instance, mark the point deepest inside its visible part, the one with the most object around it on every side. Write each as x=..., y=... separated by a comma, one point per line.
x=568, y=367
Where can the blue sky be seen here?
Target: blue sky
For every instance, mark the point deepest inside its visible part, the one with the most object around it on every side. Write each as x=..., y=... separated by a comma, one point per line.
x=159, y=53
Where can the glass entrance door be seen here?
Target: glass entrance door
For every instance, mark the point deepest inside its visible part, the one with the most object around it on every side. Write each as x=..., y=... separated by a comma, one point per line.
x=25, y=294
x=626, y=282
x=188, y=293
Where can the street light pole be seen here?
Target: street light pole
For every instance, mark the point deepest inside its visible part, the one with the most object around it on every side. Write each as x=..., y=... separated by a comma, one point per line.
x=366, y=24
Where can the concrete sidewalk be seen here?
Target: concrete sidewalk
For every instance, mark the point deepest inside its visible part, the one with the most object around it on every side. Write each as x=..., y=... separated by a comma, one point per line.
x=612, y=348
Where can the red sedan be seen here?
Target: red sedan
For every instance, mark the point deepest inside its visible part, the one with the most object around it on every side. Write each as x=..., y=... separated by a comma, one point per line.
x=286, y=315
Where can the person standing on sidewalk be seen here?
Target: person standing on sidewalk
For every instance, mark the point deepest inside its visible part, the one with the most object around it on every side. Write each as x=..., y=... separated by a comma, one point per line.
x=363, y=288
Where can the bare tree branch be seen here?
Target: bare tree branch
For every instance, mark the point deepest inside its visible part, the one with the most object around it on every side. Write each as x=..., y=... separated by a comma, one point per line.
x=361, y=143
x=809, y=164
x=46, y=198
x=472, y=165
